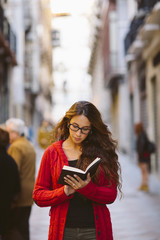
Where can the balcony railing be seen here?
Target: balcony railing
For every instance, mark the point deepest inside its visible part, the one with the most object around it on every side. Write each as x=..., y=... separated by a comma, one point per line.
x=146, y=5
x=7, y=31
x=133, y=31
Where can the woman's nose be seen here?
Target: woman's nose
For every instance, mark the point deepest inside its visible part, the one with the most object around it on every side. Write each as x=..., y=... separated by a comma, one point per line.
x=79, y=132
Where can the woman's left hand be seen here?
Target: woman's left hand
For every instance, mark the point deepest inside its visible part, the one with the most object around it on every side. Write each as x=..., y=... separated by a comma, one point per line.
x=76, y=182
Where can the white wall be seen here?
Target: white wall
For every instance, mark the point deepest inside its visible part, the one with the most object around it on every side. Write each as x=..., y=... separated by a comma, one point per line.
x=15, y=14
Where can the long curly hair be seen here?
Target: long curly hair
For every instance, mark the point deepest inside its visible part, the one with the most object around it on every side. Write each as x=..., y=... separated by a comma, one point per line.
x=99, y=141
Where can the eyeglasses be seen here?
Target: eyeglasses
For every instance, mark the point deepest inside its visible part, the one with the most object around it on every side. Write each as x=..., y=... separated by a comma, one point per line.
x=75, y=128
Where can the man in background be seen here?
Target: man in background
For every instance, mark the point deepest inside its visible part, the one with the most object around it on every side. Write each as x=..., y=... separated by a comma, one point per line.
x=24, y=155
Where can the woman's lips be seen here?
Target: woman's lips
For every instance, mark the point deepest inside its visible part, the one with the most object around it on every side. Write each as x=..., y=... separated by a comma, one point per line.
x=77, y=139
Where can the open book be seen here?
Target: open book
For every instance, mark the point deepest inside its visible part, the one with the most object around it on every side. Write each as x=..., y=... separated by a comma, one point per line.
x=67, y=170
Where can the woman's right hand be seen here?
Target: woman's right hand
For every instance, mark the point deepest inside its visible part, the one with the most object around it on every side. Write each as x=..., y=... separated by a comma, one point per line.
x=68, y=190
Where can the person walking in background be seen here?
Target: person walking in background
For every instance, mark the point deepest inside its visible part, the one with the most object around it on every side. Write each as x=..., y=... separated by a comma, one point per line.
x=143, y=155
x=24, y=155
x=78, y=209
x=44, y=133
x=9, y=184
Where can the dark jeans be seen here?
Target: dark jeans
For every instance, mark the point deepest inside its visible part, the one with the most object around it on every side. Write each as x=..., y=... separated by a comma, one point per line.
x=19, y=229
x=79, y=234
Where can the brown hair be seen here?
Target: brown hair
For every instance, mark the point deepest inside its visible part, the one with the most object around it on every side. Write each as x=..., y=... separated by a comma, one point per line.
x=99, y=141
x=4, y=138
x=138, y=128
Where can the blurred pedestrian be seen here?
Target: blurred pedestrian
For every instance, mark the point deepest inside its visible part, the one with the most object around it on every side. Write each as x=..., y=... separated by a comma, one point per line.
x=9, y=184
x=78, y=209
x=143, y=155
x=29, y=133
x=23, y=153
x=44, y=134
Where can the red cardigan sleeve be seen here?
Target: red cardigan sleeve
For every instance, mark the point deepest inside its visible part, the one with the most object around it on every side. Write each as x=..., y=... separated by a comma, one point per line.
x=43, y=194
x=103, y=193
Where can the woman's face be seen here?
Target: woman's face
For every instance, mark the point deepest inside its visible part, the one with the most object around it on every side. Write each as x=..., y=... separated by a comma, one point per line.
x=79, y=128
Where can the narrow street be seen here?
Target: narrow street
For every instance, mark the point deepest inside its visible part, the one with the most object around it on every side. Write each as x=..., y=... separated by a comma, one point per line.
x=39, y=219
x=54, y=53
x=135, y=217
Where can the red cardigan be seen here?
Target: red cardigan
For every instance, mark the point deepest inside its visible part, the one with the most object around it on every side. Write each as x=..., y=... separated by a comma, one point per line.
x=47, y=192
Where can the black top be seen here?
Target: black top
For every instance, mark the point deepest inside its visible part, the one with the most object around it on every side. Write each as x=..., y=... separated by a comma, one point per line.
x=80, y=212
x=9, y=187
x=142, y=147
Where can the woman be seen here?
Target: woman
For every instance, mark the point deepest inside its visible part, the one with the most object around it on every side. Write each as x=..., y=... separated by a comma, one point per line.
x=143, y=155
x=78, y=210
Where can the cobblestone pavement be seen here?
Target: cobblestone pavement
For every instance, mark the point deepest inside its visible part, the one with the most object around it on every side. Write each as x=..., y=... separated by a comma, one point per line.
x=135, y=217
x=39, y=219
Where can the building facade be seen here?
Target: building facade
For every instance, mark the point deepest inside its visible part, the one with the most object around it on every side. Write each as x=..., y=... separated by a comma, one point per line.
x=126, y=60
x=108, y=61
x=7, y=61
x=30, y=83
x=142, y=45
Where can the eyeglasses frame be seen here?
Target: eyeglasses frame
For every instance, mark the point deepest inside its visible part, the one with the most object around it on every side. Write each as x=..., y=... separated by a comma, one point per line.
x=78, y=128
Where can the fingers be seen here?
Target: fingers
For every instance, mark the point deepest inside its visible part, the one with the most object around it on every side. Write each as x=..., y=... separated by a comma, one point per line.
x=71, y=181
x=76, y=182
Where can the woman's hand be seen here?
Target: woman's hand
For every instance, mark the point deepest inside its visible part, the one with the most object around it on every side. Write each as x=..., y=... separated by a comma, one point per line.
x=76, y=182
x=68, y=190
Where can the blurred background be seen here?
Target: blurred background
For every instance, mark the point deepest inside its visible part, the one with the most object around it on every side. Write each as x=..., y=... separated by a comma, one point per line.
x=55, y=52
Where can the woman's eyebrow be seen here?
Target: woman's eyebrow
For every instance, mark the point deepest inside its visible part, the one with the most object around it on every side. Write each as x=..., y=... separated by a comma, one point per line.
x=78, y=124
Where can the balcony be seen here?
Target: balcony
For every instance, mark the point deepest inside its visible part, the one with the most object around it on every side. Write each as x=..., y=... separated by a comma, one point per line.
x=152, y=24
x=135, y=25
x=140, y=35
x=146, y=5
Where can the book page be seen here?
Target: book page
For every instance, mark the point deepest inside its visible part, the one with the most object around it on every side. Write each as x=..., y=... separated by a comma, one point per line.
x=92, y=163
x=73, y=169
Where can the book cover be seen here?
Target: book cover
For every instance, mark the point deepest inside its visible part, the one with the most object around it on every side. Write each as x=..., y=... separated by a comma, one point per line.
x=67, y=170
